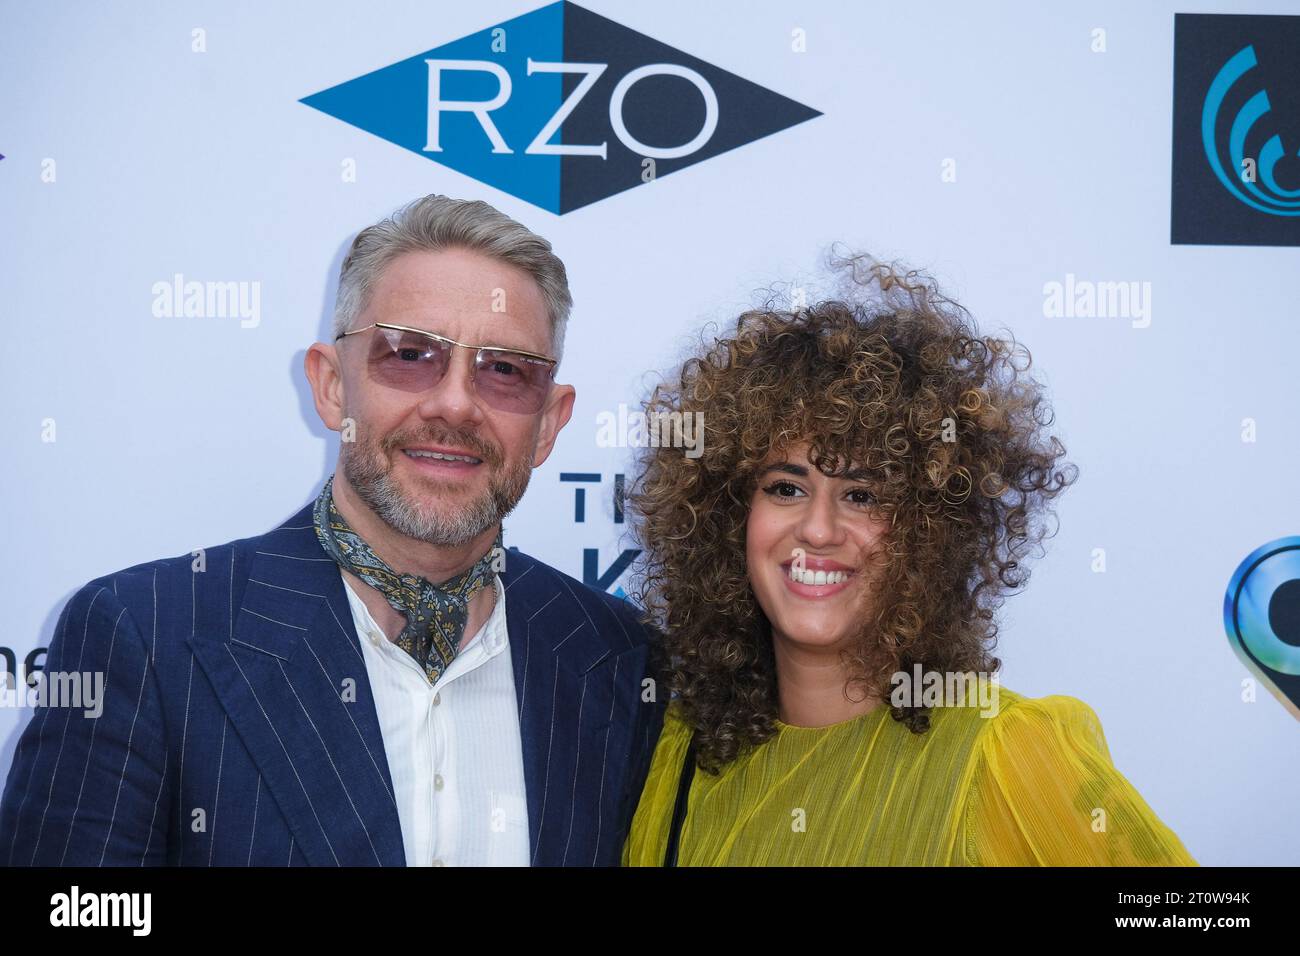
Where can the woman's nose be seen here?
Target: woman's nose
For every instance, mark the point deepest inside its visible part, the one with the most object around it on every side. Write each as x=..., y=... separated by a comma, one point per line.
x=819, y=525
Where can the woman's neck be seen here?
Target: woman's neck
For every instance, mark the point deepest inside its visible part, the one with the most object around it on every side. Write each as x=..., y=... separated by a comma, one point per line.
x=811, y=684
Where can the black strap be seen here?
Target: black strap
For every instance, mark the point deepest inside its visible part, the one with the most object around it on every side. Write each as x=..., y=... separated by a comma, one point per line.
x=679, y=808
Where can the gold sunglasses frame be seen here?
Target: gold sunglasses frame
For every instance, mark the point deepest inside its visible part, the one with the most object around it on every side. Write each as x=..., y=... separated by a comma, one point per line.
x=477, y=349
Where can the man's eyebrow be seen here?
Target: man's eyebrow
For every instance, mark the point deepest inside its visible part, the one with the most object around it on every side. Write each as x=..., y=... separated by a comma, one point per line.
x=484, y=345
x=801, y=471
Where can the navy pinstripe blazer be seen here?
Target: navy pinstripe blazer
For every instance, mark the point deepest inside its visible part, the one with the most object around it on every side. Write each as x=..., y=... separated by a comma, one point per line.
x=224, y=692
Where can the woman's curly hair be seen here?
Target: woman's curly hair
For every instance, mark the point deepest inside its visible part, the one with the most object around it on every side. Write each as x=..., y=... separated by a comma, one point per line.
x=892, y=377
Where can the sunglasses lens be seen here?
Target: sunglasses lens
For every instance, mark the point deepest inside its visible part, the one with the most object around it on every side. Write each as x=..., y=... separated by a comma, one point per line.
x=512, y=382
x=407, y=361
x=411, y=362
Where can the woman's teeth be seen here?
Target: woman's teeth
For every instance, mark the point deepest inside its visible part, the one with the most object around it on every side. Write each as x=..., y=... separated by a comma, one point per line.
x=817, y=577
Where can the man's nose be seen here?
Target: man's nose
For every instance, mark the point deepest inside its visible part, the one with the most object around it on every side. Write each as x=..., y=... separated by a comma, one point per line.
x=454, y=399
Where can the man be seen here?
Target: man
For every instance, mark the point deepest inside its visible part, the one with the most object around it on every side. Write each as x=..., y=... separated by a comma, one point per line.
x=376, y=681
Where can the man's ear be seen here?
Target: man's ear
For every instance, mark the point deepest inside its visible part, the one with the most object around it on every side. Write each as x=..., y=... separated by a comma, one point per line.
x=556, y=414
x=326, y=377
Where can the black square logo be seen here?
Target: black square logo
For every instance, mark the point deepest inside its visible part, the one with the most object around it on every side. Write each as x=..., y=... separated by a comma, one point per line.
x=1236, y=137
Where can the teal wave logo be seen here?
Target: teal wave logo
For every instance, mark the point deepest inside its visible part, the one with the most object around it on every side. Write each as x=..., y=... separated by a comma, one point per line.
x=1261, y=190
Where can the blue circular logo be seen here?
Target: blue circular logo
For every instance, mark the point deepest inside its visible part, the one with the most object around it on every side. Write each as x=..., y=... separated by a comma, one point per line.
x=1261, y=612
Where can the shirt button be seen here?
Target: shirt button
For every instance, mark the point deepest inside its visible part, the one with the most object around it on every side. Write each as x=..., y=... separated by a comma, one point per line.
x=437, y=862
x=437, y=699
x=437, y=781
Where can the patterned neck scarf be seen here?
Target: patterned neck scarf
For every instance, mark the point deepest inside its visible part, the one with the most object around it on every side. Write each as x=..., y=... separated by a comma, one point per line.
x=435, y=613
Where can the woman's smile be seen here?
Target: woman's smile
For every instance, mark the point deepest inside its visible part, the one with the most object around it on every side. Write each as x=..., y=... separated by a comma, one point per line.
x=817, y=578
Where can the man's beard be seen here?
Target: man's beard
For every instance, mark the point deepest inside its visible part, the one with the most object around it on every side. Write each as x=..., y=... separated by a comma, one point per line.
x=368, y=469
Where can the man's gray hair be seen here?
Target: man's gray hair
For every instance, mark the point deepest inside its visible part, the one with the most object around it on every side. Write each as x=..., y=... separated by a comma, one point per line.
x=435, y=223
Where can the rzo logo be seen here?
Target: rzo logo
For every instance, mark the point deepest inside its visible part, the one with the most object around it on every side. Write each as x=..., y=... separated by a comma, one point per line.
x=560, y=107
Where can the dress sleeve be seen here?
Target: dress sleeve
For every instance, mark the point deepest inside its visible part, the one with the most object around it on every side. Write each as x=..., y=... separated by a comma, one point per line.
x=1045, y=793
x=647, y=837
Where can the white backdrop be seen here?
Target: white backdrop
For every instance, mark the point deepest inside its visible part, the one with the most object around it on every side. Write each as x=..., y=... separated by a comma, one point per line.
x=178, y=433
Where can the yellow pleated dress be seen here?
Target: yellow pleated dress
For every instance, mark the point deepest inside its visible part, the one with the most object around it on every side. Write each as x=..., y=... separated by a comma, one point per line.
x=1032, y=785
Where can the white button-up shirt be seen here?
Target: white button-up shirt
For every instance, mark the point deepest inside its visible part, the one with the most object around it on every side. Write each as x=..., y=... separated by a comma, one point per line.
x=453, y=747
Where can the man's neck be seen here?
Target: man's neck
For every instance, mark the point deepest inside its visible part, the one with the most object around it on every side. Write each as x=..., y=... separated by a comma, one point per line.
x=408, y=556
x=405, y=555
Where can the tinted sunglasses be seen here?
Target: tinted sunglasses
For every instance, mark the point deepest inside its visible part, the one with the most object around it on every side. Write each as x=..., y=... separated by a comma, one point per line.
x=413, y=360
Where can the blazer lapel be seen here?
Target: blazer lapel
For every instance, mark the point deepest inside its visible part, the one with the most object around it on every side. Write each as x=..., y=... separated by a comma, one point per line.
x=293, y=680
x=567, y=680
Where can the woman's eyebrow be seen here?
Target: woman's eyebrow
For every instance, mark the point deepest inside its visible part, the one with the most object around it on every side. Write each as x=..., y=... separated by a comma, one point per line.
x=790, y=468
x=786, y=467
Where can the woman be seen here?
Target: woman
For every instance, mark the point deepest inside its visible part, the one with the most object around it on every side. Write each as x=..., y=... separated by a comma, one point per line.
x=872, y=477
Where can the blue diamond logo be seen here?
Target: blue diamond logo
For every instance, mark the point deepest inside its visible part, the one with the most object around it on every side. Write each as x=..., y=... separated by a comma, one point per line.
x=560, y=107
